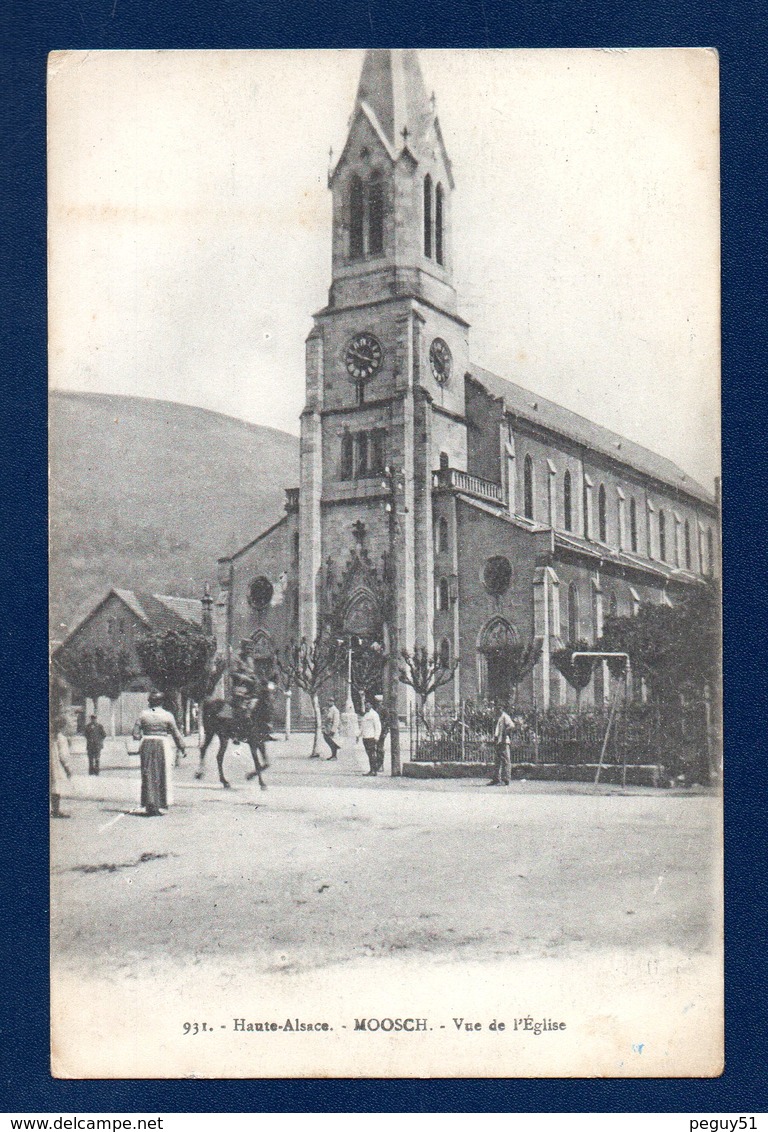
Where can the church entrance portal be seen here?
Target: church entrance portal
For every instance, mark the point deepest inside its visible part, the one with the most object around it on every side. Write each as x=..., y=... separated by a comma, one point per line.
x=497, y=642
x=363, y=634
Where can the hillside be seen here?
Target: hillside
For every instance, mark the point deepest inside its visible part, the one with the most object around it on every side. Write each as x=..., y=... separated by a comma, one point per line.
x=148, y=494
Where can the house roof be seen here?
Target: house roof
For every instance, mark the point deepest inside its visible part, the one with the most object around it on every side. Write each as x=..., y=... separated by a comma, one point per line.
x=189, y=609
x=155, y=611
x=532, y=407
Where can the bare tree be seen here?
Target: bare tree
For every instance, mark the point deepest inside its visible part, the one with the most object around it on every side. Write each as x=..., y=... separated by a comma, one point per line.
x=425, y=672
x=309, y=666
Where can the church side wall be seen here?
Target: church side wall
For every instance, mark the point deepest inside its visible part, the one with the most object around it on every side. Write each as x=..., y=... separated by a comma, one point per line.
x=448, y=436
x=275, y=558
x=481, y=536
x=589, y=470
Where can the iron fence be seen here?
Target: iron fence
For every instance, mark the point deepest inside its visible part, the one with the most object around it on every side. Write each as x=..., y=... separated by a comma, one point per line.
x=641, y=735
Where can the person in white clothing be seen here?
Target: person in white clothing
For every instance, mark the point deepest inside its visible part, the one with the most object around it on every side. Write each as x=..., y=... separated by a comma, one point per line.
x=370, y=731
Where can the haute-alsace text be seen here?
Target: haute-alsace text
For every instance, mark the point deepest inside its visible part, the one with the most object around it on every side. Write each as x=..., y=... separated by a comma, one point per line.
x=290, y=1025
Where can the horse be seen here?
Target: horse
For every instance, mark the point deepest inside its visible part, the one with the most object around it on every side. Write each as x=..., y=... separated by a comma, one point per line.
x=227, y=721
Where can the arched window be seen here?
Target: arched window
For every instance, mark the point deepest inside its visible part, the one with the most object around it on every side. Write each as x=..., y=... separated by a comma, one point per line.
x=528, y=487
x=439, y=224
x=573, y=613
x=362, y=453
x=377, y=451
x=356, y=215
x=442, y=534
x=586, y=500
x=710, y=552
x=375, y=216
x=687, y=545
x=443, y=595
x=567, y=518
x=633, y=526
x=445, y=653
x=347, y=455
x=662, y=536
x=602, y=524
x=428, y=216
x=613, y=605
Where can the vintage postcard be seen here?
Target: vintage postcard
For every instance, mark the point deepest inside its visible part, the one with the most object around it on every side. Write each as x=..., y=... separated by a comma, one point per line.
x=385, y=564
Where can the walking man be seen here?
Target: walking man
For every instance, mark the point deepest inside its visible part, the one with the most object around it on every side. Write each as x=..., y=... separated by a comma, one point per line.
x=94, y=743
x=385, y=730
x=370, y=730
x=502, y=738
x=331, y=728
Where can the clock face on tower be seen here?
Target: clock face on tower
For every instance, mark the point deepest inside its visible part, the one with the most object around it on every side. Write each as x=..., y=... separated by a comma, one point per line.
x=363, y=356
x=441, y=361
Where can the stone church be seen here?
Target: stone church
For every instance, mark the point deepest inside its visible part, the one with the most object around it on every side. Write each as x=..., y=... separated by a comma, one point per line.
x=498, y=515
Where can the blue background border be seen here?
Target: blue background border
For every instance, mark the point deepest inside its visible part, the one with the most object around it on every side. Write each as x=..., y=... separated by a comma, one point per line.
x=738, y=30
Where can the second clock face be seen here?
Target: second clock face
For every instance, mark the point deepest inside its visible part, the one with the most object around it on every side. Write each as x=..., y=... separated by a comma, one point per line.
x=441, y=361
x=363, y=356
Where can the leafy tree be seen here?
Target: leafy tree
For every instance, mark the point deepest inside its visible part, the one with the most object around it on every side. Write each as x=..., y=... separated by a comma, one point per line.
x=521, y=657
x=177, y=661
x=676, y=649
x=425, y=672
x=577, y=672
x=99, y=672
x=309, y=666
x=206, y=685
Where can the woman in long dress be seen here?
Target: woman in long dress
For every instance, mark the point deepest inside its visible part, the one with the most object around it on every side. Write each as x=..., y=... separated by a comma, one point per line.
x=160, y=738
x=59, y=766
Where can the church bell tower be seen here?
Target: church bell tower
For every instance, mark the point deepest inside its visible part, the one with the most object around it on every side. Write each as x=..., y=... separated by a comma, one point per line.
x=385, y=364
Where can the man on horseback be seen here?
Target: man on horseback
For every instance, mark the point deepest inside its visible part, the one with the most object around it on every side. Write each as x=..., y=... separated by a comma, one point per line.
x=245, y=690
x=242, y=718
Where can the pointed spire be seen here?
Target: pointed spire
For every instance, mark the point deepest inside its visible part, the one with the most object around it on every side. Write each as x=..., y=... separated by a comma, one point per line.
x=392, y=86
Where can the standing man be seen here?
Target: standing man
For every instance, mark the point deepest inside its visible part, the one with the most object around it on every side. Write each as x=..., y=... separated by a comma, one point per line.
x=385, y=729
x=331, y=728
x=502, y=738
x=94, y=742
x=370, y=730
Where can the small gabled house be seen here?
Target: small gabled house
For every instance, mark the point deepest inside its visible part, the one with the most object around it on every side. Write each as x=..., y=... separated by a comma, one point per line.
x=115, y=624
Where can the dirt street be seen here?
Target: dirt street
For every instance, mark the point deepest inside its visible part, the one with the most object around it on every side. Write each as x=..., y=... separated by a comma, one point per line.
x=328, y=868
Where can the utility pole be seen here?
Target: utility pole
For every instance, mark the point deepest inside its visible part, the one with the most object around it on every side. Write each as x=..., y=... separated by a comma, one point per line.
x=394, y=484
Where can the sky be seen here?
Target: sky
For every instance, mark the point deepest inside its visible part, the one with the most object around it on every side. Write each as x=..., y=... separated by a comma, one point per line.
x=190, y=227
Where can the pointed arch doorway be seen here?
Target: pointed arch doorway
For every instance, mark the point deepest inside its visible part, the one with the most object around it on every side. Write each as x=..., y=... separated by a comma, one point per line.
x=363, y=629
x=495, y=647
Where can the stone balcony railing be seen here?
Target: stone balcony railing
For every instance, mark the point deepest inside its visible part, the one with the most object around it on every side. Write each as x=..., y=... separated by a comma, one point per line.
x=448, y=479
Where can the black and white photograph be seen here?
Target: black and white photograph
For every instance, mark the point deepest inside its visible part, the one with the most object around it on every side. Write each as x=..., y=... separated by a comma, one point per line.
x=385, y=564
